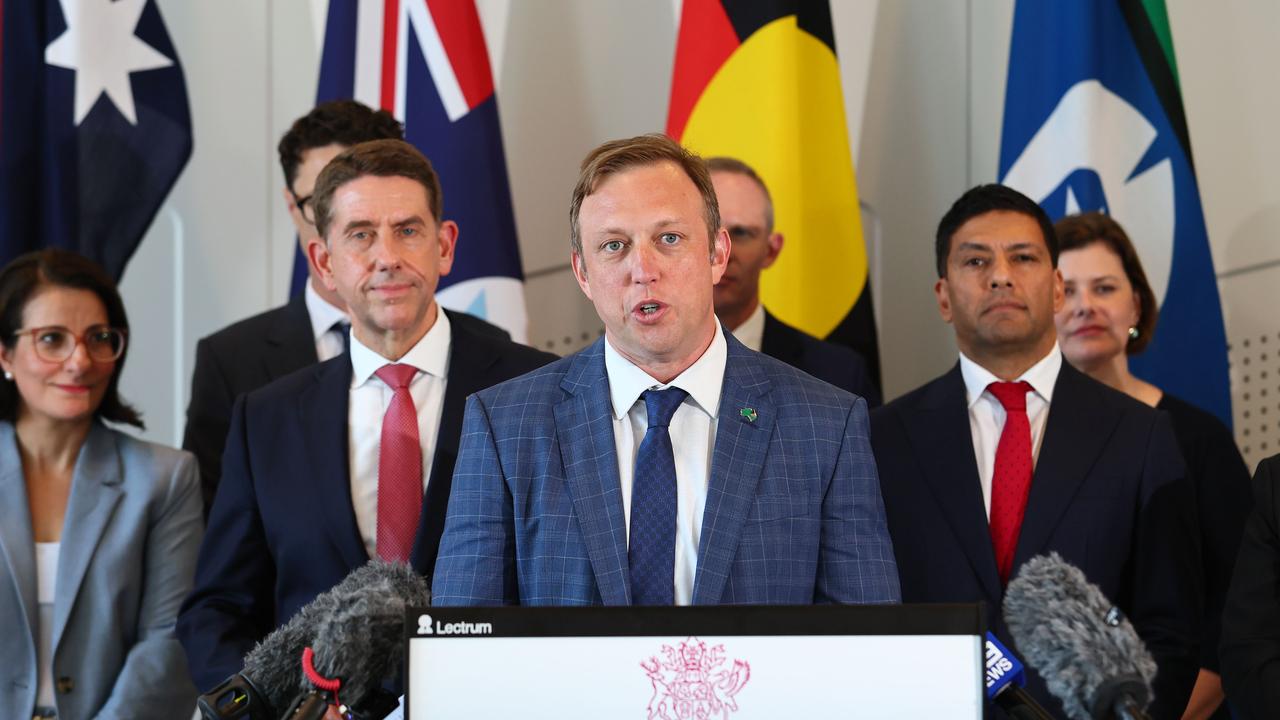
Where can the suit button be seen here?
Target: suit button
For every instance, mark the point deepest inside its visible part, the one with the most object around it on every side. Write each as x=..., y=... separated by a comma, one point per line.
x=65, y=685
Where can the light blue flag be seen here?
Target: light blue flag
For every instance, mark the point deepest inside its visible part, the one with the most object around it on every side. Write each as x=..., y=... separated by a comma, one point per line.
x=1093, y=121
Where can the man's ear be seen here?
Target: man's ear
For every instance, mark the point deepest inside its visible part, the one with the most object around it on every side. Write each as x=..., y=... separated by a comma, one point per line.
x=721, y=246
x=447, y=239
x=943, y=293
x=774, y=242
x=580, y=272
x=322, y=260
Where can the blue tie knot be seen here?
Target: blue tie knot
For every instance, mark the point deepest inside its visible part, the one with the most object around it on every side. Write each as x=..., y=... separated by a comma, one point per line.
x=662, y=404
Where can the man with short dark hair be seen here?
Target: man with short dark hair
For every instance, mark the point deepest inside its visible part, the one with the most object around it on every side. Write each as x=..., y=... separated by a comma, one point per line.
x=666, y=463
x=311, y=327
x=352, y=458
x=746, y=211
x=1014, y=454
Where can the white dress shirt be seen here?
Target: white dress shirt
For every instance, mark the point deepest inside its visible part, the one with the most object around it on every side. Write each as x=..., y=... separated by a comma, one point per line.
x=986, y=414
x=693, y=439
x=329, y=342
x=46, y=589
x=369, y=400
x=751, y=331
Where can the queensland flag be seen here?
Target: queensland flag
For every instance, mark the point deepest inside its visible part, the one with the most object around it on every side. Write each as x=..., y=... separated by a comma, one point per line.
x=425, y=61
x=94, y=125
x=1093, y=120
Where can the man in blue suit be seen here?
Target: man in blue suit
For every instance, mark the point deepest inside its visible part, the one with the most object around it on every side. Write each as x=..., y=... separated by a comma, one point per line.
x=665, y=464
x=351, y=458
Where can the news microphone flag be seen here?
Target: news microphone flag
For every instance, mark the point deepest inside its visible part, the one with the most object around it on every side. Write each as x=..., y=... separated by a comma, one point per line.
x=425, y=61
x=1002, y=668
x=1093, y=120
x=758, y=80
x=94, y=126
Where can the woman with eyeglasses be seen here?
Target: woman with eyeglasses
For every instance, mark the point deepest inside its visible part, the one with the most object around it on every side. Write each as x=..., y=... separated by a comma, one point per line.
x=98, y=531
x=1109, y=315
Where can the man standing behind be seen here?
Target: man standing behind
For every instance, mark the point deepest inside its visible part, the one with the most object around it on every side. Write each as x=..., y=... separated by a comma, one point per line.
x=666, y=463
x=311, y=327
x=351, y=458
x=1014, y=454
x=746, y=211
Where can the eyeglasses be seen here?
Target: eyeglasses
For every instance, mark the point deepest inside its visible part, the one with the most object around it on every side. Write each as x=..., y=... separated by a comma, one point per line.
x=305, y=206
x=55, y=343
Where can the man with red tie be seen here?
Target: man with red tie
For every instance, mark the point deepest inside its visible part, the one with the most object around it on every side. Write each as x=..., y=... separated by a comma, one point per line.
x=1014, y=454
x=352, y=458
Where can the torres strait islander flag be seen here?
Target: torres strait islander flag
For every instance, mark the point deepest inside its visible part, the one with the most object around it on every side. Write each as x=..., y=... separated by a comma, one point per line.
x=758, y=80
x=1093, y=120
x=94, y=126
x=425, y=61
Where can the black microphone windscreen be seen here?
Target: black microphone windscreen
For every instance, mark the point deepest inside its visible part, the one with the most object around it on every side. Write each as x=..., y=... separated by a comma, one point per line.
x=1073, y=636
x=362, y=641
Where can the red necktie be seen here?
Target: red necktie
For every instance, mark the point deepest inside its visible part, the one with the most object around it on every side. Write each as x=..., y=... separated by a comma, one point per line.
x=1011, y=481
x=399, y=468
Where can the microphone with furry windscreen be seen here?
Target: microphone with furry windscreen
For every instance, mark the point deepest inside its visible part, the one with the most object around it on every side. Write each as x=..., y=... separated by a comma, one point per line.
x=353, y=631
x=1088, y=653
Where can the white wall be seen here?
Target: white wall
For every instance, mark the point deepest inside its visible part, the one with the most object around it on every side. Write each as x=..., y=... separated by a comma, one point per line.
x=924, y=88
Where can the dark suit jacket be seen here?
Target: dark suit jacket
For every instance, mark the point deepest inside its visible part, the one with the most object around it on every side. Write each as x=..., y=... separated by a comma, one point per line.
x=245, y=356
x=282, y=528
x=793, y=515
x=836, y=364
x=1108, y=494
x=1250, y=653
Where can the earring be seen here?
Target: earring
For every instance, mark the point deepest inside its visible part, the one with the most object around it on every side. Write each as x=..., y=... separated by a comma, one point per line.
x=8, y=375
x=1133, y=333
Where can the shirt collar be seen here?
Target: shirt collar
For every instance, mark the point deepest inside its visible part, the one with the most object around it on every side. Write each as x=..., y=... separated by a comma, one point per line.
x=1042, y=376
x=323, y=315
x=751, y=331
x=429, y=355
x=702, y=380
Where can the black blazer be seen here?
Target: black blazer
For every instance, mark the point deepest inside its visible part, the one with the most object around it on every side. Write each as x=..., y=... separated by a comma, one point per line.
x=1108, y=494
x=282, y=528
x=245, y=356
x=836, y=364
x=1250, y=653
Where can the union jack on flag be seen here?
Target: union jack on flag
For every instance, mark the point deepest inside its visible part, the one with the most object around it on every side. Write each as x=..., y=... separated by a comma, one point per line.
x=426, y=62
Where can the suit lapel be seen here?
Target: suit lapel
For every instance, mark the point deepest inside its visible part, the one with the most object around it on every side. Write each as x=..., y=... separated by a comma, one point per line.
x=584, y=428
x=1078, y=426
x=470, y=368
x=16, y=545
x=322, y=417
x=290, y=339
x=941, y=438
x=740, y=451
x=95, y=492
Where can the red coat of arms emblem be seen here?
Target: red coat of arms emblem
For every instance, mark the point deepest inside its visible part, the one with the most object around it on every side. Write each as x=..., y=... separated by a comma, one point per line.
x=690, y=682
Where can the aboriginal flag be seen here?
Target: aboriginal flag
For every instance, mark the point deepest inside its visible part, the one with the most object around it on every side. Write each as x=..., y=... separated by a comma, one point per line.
x=758, y=80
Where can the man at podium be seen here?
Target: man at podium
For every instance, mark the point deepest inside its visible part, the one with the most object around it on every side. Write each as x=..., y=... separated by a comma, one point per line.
x=666, y=463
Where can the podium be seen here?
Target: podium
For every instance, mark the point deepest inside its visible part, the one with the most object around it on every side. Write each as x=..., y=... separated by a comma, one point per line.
x=704, y=662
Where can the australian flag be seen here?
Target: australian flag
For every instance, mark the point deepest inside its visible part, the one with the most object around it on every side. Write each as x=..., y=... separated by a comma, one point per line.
x=426, y=62
x=1093, y=120
x=94, y=125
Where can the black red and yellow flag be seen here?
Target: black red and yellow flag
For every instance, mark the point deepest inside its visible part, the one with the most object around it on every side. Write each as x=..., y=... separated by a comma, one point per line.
x=758, y=80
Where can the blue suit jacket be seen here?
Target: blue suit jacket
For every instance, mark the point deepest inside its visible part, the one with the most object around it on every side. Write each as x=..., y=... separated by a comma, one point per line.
x=793, y=511
x=128, y=552
x=282, y=528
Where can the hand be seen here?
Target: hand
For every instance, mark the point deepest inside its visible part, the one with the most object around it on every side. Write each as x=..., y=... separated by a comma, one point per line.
x=333, y=714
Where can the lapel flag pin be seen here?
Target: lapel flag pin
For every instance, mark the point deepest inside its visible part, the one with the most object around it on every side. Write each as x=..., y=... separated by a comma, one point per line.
x=748, y=413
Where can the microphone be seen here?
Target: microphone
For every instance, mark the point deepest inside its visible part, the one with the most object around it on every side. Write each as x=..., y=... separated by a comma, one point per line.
x=362, y=642
x=1086, y=650
x=1005, y=680
x=272, y=675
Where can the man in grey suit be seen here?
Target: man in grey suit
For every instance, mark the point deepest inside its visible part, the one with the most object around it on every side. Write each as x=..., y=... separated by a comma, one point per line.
x=665, y=464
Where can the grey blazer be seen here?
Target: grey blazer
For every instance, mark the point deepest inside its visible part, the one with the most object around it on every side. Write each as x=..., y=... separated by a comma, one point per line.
x=129, y=544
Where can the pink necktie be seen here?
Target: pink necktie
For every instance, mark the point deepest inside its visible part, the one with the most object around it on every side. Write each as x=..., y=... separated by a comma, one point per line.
x=399, y=468
x=1011, y=481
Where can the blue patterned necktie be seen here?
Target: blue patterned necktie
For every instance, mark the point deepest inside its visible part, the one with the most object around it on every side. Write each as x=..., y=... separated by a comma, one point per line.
x=343, y=328
x=651, y=552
